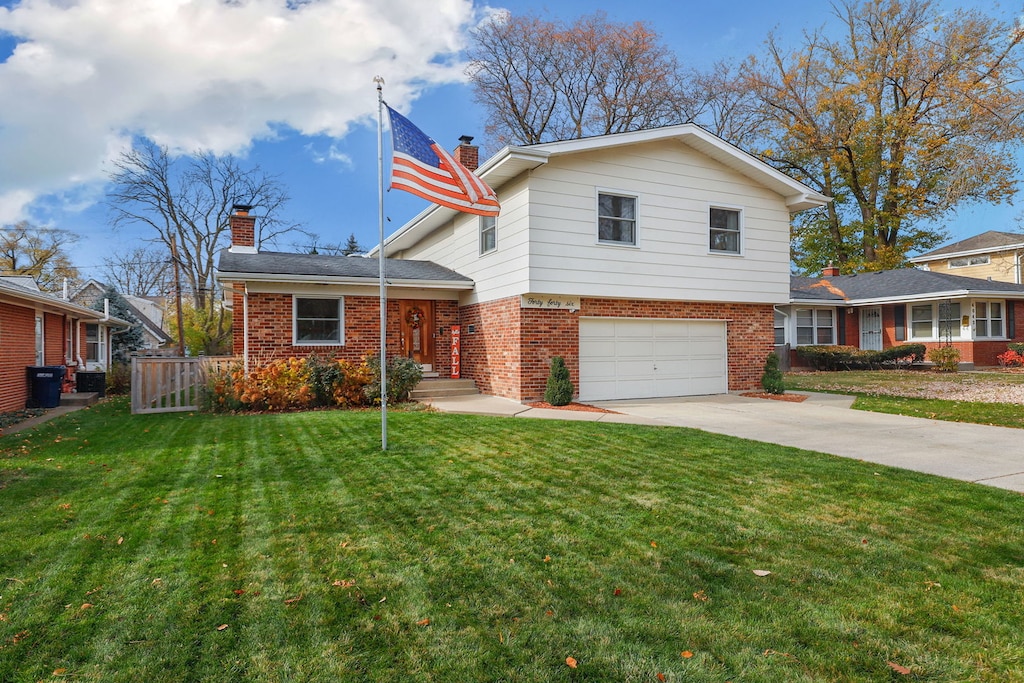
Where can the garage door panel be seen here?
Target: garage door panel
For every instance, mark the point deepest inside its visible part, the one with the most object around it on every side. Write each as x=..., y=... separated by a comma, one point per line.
x=631, y=358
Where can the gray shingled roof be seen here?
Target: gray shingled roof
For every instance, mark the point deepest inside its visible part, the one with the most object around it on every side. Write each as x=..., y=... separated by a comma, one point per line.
x=986, y=241
x=888, y=284
x=322, y=265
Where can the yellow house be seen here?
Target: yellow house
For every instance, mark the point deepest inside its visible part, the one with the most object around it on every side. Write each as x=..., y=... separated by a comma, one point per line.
x=991, y=255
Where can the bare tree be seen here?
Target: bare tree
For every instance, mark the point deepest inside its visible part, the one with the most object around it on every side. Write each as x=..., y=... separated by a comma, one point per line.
x=40, y=253
x=189, y=200
x=139, y=271
x=542, y=80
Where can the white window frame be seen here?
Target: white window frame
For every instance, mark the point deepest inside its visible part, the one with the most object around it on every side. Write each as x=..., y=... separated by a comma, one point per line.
x=968, y=261
x=989, y=319
x=488, y=225
x=636, y=218
x=779, y=322
x=815, y=326
x=340, y=341
x=738, y=210
x=935, y=325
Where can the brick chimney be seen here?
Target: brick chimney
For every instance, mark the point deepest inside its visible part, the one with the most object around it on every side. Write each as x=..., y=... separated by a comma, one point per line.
x=467, y=153
x=830, y=270
x=243, y=229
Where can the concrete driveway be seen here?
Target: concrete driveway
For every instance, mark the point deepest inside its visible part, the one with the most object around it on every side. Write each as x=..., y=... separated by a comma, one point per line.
x=987, y=455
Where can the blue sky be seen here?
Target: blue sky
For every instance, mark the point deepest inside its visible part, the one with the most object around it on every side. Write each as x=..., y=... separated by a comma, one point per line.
x=294, y=96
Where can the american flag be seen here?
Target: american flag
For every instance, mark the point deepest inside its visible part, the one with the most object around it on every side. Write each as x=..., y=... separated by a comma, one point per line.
x=424, y=168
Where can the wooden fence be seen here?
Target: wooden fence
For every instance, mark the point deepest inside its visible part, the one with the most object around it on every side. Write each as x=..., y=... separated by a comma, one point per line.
x=169, y=385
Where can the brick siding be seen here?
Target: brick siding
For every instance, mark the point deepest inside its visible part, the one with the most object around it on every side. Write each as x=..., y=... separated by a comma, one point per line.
x=17, y=352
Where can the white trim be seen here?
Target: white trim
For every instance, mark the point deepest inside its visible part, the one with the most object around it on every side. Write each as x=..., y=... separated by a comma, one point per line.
x=741, y=232
x=988, y=306
x=339, y=300
x=925, y=258
x=598, y=191
x=795, y=322
x=480, y=235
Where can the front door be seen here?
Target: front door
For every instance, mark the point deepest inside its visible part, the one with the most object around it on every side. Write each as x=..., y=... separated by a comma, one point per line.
x=871, y=329
x=418, y=331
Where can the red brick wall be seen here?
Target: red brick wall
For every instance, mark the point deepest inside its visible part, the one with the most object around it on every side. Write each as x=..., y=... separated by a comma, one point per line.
x=510, y=352
x=53, y=339
x=17, y=352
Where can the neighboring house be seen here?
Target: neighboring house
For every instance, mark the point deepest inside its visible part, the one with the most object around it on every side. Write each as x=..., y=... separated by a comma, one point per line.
x=874, y=311
x=651, y=261
x=992, y=254
x=148, y=310
x=40, y=329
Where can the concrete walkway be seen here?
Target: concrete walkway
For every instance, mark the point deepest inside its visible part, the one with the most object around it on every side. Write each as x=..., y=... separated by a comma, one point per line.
x=987, y=455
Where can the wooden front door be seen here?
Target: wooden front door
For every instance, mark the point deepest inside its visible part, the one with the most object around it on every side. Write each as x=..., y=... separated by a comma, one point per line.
x=418, y=331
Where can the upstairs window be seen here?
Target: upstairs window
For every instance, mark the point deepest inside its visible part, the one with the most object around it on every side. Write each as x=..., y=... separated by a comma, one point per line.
x=724, y=231
x=969, y=261
x=488, y=234
x=318, y=321
x=616, y=219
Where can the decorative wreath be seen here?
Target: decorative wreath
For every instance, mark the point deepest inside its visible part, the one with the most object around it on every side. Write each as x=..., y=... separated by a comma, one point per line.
x=414, y=317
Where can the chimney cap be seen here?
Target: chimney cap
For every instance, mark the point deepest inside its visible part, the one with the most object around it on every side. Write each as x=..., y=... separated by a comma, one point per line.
x=242, y=209
x=465, y=139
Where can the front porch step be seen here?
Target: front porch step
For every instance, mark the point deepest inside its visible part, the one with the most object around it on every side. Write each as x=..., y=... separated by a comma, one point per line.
x=78, y=399
x=441, y=388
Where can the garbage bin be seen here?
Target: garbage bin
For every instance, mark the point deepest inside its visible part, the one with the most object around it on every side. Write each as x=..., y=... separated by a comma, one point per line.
x=44, y=385
x=91, y=381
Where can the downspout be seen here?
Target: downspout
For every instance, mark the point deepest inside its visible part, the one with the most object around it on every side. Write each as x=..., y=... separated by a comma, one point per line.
x=245, y=327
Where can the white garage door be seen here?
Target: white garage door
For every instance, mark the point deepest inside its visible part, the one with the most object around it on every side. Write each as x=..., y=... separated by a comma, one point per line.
x=634, y=358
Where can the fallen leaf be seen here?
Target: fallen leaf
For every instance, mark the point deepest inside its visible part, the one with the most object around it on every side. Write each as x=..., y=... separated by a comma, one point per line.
x=653, y=544
x=383, y=599
x=292, y=601
x=701, y=595
x=686, y=654
x=239, y=591
x=222, y=627
x=570, y=662
x=899, y=669
x=59, y=672
x=86, y=605
x=157, y=582
x=423, y=622
x=618, y=591
x=344, y=583
x=547, y=558
x=120, y=540
x=761, y=572
x=549, y=613
x=661, y=677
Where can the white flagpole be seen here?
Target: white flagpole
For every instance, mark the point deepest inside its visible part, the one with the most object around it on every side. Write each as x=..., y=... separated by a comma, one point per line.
x=380, y=262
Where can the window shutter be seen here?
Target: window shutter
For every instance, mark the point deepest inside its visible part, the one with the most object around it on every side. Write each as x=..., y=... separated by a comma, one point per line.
x=900, y=322
x=1011, y=327
x=841, y=325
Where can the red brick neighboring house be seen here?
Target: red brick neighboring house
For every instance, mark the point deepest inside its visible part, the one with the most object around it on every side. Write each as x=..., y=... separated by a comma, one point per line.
x=651, y=261
x=876, y=311
x=36, y=329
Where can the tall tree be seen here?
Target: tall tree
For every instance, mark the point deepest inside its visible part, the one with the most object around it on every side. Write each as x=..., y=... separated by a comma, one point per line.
x=187, y=202
x=40, y=253
x=546, y=80
x=907, y=114
x=139, y=271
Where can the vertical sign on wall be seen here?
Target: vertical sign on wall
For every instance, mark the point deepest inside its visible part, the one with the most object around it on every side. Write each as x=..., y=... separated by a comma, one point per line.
x=456, y=351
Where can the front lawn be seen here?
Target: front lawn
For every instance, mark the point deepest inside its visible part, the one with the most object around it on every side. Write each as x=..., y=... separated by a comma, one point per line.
x=290, y=548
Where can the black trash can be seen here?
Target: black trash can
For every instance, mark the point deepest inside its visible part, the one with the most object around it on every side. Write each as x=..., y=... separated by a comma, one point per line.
x=86, y=382
x=44, y=384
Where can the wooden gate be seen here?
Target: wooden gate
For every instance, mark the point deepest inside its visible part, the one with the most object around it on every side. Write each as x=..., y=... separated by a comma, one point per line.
x=169, y=385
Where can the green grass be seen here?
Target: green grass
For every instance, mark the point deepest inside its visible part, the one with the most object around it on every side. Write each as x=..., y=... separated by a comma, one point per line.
x=906, y=393
x=522, y=542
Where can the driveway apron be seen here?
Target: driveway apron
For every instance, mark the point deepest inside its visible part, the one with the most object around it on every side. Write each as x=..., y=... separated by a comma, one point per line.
x=987, y=455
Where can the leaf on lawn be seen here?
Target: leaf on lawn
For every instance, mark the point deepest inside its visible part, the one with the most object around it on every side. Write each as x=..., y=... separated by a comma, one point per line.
x=701, y=595
x=292, y=601
x=239, y=591
x=344, y=583
x=120, y=540
x=761, y=572
x=571, y=662
x=902, y=670
x=87, y=605
x=653, y=544
x=157, y=582
x=384, y=599
x=222, y=627
x=423, y=622
x=59, y=672
x=617, y=591
x=686, y=654
x=661, y=677
x=547, y=558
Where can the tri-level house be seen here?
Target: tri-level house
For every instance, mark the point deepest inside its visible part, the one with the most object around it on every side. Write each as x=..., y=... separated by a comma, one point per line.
x=651, y=261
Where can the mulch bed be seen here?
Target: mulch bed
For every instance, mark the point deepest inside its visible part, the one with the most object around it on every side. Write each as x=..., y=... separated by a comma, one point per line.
x=792, y=398
x=582, y=407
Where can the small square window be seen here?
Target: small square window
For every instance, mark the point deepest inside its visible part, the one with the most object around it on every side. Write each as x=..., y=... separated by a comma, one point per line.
x=725, y=231
x=488, y=234
x=616, y=219
x=318, y=321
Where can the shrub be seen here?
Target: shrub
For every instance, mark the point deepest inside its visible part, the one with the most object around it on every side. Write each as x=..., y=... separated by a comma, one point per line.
x=946, y=358
x=287, y=384
x=852, y=358
x=1016, y=346
x=403, y=376
x=119, y=379
x=559, y=389
x=1010, y=359
x=771, y=380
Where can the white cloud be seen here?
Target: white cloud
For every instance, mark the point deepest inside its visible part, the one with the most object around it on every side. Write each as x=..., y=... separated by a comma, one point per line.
x=332, y=154
x=85, y=75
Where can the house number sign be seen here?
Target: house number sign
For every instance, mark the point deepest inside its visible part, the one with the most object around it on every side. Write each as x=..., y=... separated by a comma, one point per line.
x=569, y=303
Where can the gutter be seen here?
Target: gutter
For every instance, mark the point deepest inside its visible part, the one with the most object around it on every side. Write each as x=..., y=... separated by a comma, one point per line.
x=340, y=280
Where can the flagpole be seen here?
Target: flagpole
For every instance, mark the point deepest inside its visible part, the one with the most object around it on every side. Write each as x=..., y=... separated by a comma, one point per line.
x=380, y=267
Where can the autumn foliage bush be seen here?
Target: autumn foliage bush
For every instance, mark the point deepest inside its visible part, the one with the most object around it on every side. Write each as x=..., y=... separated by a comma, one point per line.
x=1011, y=359
x=289, y=384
